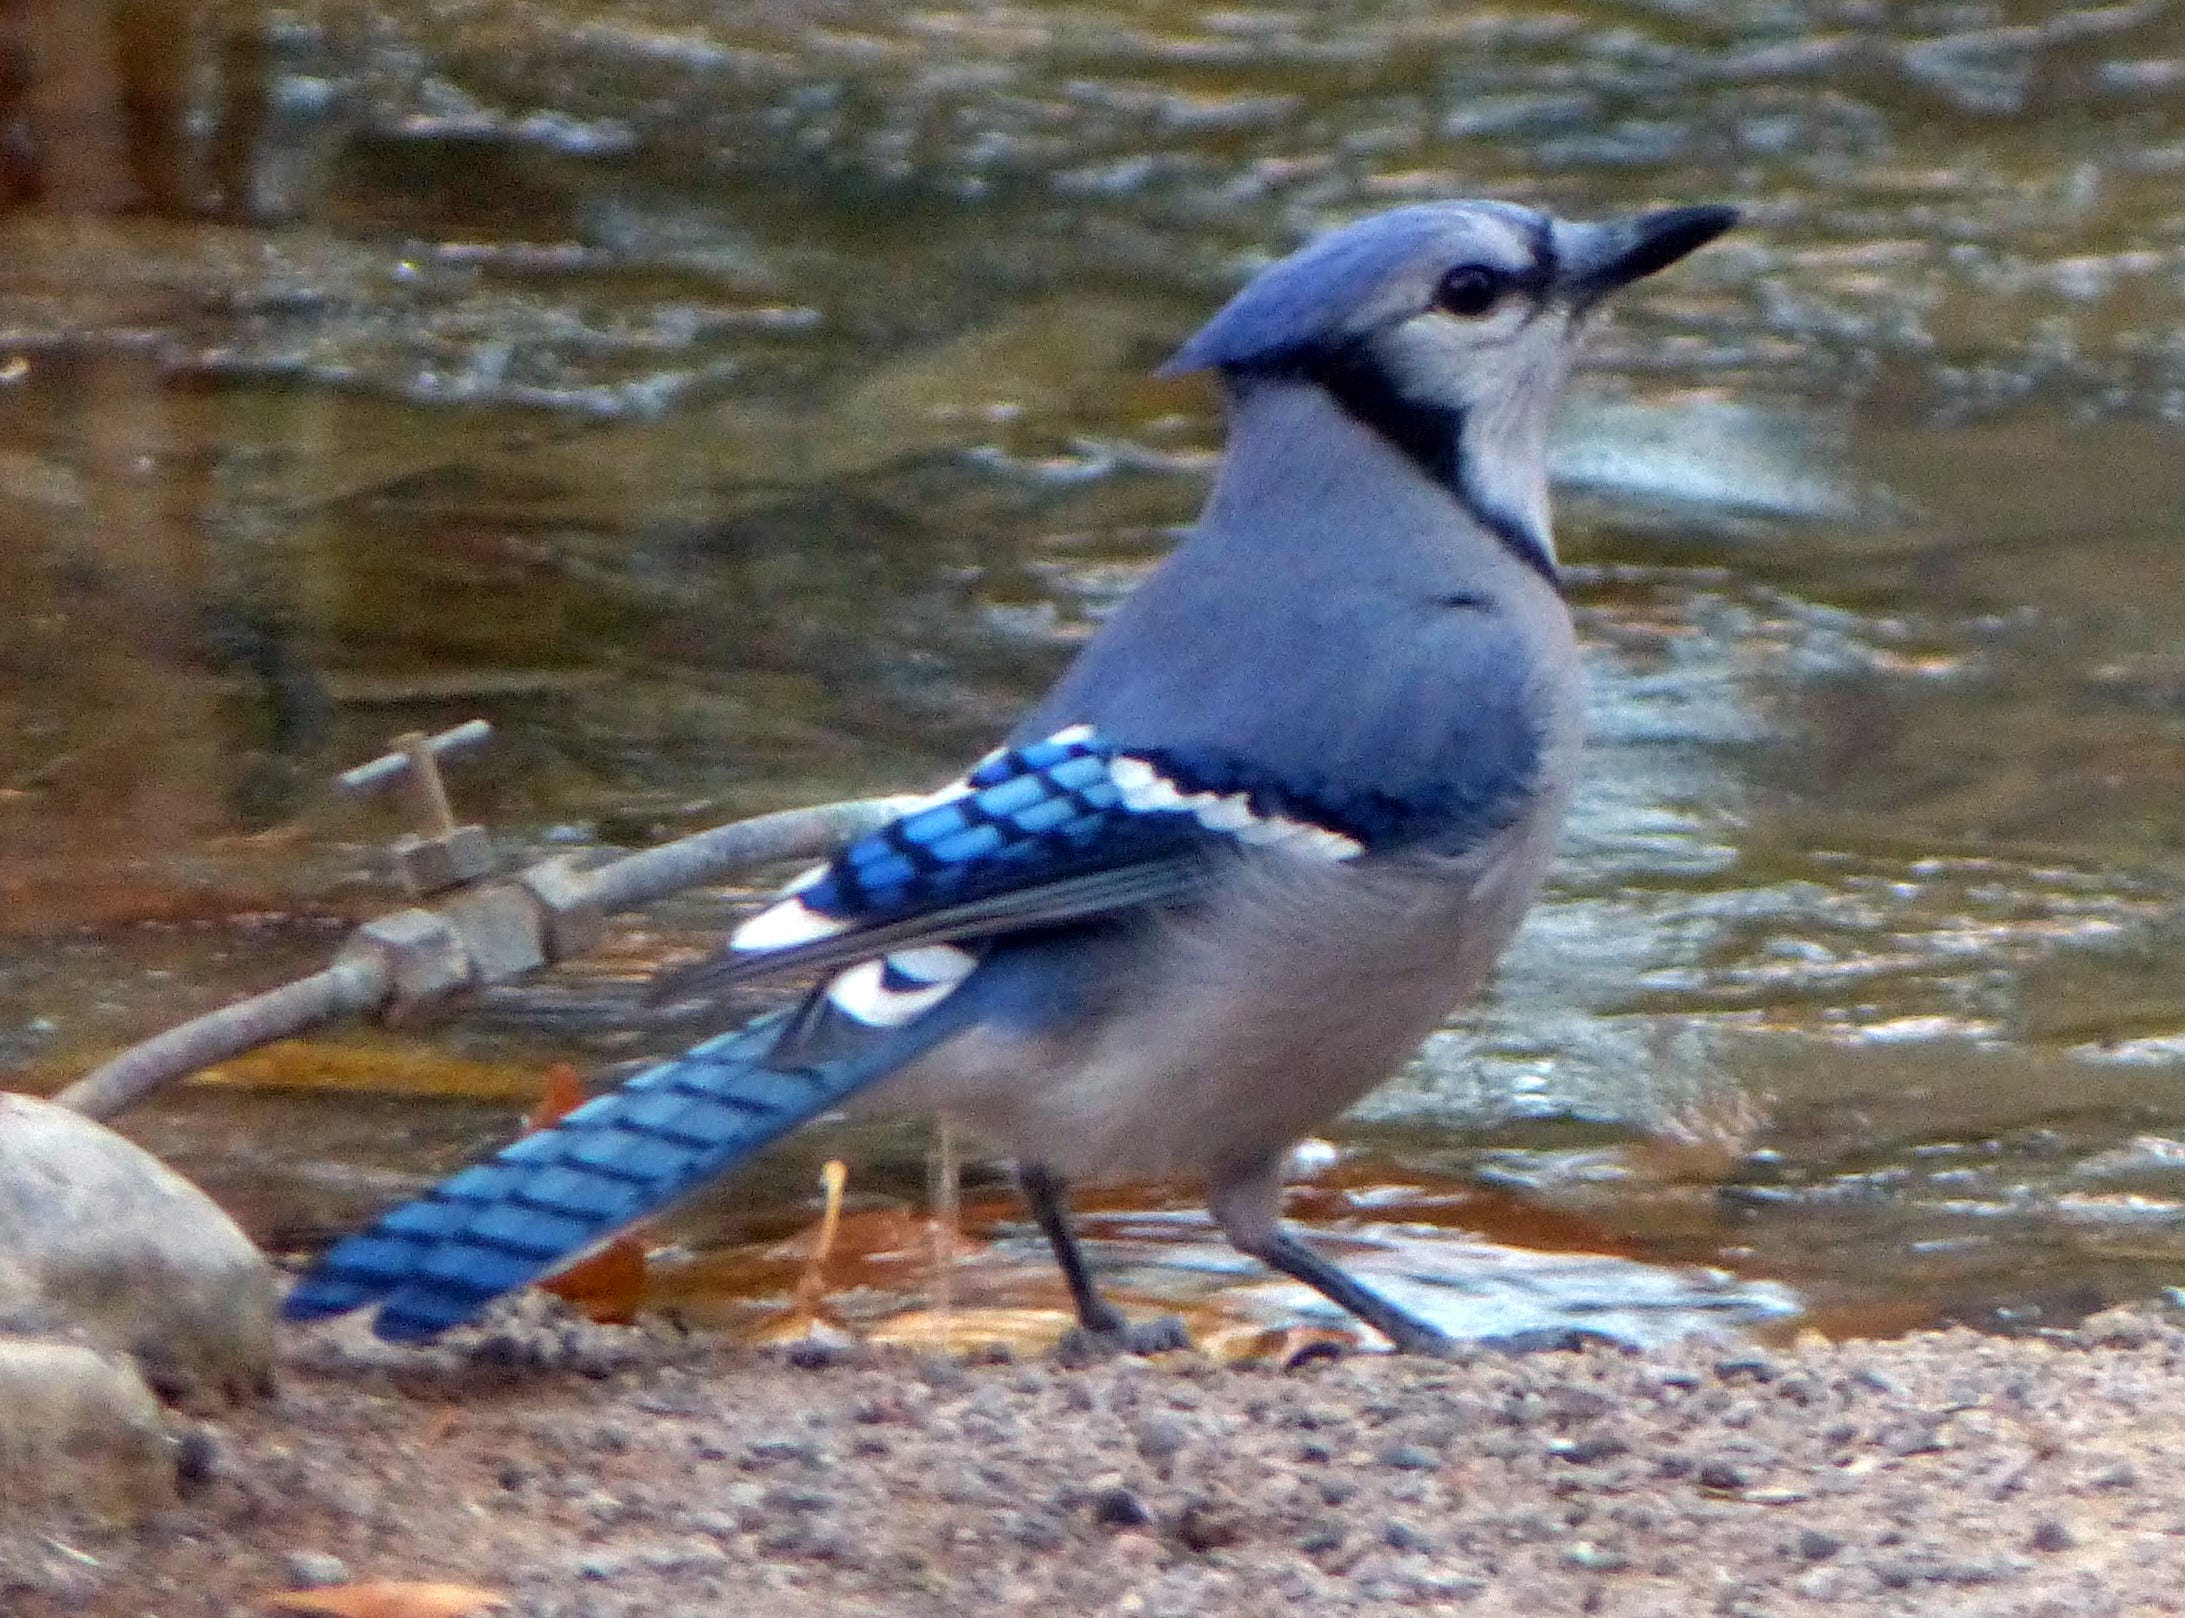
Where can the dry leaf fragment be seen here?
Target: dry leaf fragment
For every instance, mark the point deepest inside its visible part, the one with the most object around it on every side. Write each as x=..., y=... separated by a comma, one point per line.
x=561, y=1095
x=394, y=1598
x=607, y=1286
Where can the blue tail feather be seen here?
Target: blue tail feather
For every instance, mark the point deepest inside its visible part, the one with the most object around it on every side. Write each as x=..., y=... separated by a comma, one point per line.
x=440, y=1260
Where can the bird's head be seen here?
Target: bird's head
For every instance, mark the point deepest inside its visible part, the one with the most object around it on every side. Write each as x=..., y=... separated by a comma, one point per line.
x=1448, y=327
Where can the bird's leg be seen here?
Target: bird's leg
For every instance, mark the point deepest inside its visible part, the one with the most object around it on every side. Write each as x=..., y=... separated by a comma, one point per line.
x=1043, y=1193
x=1098, y=1321
x=1247, y=1202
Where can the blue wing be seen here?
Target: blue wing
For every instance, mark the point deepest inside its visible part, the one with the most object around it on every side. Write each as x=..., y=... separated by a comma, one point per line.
x=1053, y=832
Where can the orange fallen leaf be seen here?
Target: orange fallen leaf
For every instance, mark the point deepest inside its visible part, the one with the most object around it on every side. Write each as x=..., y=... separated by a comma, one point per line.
x=607, y=1285
x=389, y=1599
x=561, y=1095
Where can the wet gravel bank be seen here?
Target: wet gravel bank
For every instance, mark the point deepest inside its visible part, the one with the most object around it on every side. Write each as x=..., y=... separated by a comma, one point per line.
x=598, y=1473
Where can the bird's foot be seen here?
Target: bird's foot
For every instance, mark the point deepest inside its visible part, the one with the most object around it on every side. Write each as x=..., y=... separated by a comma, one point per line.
x=1408, y=1336
x=1084, y=1345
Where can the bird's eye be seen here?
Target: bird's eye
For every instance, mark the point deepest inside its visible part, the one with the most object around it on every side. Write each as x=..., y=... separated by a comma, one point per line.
x=1471, y=290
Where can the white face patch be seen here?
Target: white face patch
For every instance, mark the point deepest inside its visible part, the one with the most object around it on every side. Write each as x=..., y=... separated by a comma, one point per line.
x=1504, y=373
x=898, y=988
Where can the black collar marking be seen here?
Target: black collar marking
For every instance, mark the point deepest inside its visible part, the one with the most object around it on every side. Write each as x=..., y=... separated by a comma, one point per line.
x=1430, y=435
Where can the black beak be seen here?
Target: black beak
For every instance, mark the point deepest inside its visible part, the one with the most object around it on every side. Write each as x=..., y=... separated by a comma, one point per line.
x=1605, y=257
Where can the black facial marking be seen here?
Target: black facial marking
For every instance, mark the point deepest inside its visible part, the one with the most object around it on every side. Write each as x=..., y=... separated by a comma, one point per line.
x=1429, y=433
x=1547, y=263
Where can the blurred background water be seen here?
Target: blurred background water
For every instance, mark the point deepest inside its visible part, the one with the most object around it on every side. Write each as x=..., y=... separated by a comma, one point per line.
x=748, y=404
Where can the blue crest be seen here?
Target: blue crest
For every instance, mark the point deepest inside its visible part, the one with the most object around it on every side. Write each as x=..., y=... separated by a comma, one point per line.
x=1321, y=295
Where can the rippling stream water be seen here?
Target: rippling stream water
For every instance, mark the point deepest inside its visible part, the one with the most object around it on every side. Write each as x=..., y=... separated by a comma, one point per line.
x=748, y=405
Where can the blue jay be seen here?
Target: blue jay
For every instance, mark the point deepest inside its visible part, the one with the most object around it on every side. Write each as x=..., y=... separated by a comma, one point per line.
x=1273, y=824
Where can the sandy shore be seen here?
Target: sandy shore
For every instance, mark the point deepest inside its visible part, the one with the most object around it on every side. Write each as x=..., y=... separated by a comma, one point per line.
x=588, y=1472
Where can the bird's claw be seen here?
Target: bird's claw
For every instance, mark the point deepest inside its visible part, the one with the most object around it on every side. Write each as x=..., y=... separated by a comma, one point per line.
x=1081, y=1345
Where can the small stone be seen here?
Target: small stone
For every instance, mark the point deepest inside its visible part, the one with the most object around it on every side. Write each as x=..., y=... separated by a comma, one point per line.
x=943, y=1372
x=1119, y=1508
x=1159, y=1439
x=313, y=1570
x=1078, y=1349
x=1410, y=1458
x=1825, y=1583
x=1588, y=1557
x=1320, y=1539
x=1915, y=1435
x=1747, y=1368
x=775, y=1451
x=1815, y=1546
x=1038, y=1533
x=1572, y=1406
x=1208, y=1525
x=818, y=1354
x=1720, y=1476
x=1588, y=1451
x=80, y=1433
x=198, y=1458
x=2051, y=1536
x=2122, y=1327
x=1401, y=1536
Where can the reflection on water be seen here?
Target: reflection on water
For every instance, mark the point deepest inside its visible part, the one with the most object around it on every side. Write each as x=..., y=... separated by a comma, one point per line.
x=741, y=411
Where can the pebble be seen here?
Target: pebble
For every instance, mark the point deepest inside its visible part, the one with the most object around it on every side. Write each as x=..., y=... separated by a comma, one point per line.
x=1119, y=1508
x=1410, y=1458
x=1815, y=1546
x=1591, y=1558
x=1160, y=1438
x=1320, y=1539
x=1720, y=1476
x=2051, y=1536
x=1401, y=1536
x=313, y=1570
x=80, y=1434
x=1206, y=1525
x=198, y=1457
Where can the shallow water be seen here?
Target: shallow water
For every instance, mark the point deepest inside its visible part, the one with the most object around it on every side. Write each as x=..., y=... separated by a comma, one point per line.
x=744, y=408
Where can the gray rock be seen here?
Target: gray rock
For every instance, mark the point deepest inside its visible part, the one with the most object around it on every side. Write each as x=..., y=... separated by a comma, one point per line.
x=80, y=1433
x=102, y=1243
x=313, y=1570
